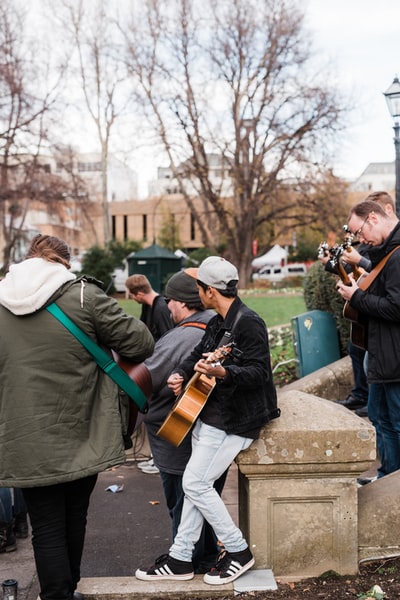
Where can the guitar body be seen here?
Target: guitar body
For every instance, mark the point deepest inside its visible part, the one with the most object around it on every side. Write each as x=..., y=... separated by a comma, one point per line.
x=350, y=313
x=190, y=402
x=140, y=374
x=186, y=409
x=358, y=335
x=358, y=326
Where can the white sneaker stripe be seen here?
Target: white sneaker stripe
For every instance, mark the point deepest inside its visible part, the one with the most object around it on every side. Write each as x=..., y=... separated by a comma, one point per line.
x=164, y=570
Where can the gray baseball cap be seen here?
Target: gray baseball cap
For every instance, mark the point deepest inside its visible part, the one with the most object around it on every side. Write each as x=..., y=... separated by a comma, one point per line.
x=217, y=272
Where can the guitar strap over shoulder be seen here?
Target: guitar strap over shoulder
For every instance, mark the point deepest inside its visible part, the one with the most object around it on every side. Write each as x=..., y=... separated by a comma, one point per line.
x=105, y=362
x=227, y=335
x=358, y=326
x=366, y=281
x=226, y=338
x=196, y=324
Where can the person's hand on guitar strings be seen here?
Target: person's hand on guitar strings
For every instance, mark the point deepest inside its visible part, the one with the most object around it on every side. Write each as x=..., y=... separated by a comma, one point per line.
x=210, y=368
x=347, y=291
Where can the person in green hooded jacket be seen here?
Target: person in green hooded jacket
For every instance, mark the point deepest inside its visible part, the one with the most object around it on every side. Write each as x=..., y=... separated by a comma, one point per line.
x=61, y=423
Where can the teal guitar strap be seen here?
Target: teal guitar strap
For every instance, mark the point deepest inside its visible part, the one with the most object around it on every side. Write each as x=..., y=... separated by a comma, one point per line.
x=105, y=362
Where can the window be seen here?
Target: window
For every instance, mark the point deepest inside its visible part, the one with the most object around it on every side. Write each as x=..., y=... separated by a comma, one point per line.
x=144, y=227
x=88, y=166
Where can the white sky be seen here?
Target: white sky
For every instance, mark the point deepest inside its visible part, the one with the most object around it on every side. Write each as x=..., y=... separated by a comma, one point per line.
x=362, y=39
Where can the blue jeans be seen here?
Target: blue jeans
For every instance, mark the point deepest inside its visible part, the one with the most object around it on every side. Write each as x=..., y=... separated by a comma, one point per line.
x=6, y=514
x=213, y=451
x=206, y=550
x=360, y=389
x=19, y=502
x=384, y=414
x=7, y=511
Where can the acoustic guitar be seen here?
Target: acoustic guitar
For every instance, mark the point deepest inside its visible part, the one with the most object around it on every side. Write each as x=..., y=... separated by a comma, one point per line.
x=190, y=402
x=358, y=326
x=358, y=323
x=140, y=374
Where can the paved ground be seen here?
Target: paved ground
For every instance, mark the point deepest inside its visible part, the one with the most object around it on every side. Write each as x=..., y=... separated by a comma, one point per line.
x=125, y=530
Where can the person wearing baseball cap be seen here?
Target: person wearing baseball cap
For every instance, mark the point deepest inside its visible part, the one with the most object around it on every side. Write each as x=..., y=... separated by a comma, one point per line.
x=241, y=402
x=190, y=320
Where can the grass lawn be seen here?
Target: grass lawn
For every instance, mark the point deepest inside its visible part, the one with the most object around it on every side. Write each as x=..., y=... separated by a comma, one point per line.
x=276, y=308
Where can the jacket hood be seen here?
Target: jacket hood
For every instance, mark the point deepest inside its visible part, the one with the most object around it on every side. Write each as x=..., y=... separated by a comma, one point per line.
x=28, y=285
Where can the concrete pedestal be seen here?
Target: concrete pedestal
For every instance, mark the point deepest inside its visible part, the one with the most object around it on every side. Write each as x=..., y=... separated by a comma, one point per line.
x=298, y=487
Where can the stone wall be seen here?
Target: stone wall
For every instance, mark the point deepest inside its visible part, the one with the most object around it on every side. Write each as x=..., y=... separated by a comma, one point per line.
x=298, y=500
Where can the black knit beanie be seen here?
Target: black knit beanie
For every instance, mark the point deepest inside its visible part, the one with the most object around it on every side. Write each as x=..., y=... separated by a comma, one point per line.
x=183, y=288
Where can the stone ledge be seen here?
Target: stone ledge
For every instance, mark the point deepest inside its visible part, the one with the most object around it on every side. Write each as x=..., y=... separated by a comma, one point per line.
x=118, y=588
x=312, y=436
x=332, y=382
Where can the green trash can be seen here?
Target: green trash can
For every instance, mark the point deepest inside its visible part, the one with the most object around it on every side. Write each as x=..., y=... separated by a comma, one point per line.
x=316, y=340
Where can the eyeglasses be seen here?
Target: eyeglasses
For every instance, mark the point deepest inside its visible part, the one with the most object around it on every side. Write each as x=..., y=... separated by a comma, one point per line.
x=359, y=233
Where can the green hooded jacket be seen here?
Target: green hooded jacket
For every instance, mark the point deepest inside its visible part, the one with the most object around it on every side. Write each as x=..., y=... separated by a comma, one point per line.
x=59, y=412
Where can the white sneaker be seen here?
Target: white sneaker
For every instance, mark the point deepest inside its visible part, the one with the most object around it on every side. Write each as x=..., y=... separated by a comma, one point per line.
x=150, y=469
x=146, y=463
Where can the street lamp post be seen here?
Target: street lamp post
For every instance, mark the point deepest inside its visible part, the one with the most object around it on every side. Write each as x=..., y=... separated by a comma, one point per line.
x=392, y=96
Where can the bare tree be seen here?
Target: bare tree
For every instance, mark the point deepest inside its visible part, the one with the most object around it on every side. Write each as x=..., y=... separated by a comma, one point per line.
x=76, y=190
x=24, y=107
x=234, y=79
x=92, y=30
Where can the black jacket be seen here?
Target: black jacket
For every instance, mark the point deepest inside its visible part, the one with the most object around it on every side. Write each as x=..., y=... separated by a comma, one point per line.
x=247, y=395
x=380, y=303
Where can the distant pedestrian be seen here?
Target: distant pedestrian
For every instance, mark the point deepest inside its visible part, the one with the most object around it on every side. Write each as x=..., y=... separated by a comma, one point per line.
x=155, y=313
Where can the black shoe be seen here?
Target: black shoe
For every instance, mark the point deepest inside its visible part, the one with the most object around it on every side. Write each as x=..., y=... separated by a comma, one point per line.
x=166, y=567
x=229, y=567
x=351, y=402
x=8, y=543
x=21, y=529
x=362, y=412
x=78, y=596
x=366, y=480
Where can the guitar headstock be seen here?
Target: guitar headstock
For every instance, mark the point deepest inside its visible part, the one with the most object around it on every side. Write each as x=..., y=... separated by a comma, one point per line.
x=348, y=237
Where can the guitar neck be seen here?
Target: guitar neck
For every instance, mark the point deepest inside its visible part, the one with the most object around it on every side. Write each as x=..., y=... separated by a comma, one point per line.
x=343, y=274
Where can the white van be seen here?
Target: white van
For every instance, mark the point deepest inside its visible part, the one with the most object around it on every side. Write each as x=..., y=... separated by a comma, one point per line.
x=278, y=272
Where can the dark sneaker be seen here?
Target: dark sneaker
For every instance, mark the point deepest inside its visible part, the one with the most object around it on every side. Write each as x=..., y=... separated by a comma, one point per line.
x=229, y=567
x=351, y=402
x=8, y=543
x=166, y=567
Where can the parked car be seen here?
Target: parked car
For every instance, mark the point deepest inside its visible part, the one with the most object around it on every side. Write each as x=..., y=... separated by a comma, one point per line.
x=278, y=272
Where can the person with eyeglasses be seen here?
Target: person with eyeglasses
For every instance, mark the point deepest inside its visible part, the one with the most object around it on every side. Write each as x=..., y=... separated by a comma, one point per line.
x=357, y=400
x=380, y=304
x=242, y=401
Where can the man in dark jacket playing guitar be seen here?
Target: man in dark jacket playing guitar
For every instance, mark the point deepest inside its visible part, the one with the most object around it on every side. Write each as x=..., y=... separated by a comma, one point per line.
x=379, y=304
x=241, y=402
x=190, y=319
